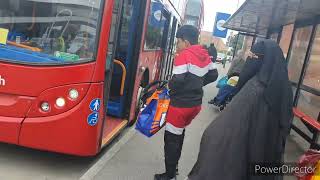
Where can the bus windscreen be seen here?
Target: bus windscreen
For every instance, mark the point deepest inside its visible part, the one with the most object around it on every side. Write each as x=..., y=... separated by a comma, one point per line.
x=48, y=31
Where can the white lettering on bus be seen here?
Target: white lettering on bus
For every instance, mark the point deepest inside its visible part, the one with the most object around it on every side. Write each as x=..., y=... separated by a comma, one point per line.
x=2, y=81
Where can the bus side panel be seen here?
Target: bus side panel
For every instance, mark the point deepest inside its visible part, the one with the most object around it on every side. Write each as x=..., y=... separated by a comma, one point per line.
x=30, y=81
x=154, y=64
x=148, y=60
x=9, y=129
x=151, y=60
x=69, y=132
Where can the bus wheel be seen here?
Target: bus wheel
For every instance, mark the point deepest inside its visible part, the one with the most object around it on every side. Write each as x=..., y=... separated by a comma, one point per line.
x=139, y=103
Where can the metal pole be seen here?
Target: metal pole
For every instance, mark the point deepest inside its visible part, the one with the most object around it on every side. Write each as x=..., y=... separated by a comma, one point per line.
x=280, y=35
x=235, y=46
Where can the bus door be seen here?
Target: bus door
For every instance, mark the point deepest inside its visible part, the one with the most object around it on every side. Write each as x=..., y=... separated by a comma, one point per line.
x=165, y=42
x=173, y=43
x=123, y=57
x=168, y=56
x=116, y=16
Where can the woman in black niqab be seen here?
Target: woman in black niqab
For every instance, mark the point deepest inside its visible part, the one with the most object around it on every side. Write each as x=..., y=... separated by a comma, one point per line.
x=254, y=126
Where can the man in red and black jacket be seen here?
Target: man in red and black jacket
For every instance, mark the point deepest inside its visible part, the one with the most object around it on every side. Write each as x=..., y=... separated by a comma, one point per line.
x=192, y=70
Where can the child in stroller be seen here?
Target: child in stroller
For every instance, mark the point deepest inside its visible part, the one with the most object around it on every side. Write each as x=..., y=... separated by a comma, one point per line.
x=227, y=89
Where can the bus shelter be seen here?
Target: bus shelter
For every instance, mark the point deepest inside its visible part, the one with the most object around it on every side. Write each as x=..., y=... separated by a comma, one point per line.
x=295, y=25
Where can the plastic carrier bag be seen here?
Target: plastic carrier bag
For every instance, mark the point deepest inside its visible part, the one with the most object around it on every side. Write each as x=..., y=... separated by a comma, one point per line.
x=310, y=159
x=152, y=116
x=233, y=81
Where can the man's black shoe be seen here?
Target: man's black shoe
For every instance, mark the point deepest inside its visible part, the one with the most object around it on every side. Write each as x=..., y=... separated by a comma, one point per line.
x=163, y=176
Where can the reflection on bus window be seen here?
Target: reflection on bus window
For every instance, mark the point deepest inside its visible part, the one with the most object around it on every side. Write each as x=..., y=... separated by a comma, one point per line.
x=125, y=27
x=55, y=31
x=298, y=52
x=312, y=76
x=155, y=27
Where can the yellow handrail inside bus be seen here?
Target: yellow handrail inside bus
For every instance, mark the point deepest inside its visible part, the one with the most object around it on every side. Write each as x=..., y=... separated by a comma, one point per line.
x=124, y=74
x=35, y=49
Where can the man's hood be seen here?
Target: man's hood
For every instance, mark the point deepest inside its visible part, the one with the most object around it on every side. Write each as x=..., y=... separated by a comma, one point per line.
x=199, y=52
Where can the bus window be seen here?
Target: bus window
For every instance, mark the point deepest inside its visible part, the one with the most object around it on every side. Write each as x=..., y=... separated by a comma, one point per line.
x=124, y=29
x=116, y=13
x=155, y=27
x=49, y=32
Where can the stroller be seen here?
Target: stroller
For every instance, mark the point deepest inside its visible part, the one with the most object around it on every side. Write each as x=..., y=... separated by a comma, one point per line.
x=226, y=92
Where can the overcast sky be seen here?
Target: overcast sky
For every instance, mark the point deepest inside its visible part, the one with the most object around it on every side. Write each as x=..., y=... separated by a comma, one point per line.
x=211, y=7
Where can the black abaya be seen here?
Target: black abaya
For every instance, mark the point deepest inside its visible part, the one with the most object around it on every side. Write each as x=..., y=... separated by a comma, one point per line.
x=253, y=128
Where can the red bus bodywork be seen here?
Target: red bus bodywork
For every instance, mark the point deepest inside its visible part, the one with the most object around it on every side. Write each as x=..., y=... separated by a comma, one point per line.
x=65, y=130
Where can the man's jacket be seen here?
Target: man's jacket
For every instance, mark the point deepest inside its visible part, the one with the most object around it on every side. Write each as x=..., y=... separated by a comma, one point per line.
x=192, y=70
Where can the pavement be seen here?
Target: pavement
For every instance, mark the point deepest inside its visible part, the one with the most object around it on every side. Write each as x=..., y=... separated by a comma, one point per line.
x=136, y=157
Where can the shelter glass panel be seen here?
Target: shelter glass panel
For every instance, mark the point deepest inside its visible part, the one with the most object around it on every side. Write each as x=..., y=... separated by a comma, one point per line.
x=244, y=44
x=247, y=44
x=312, y=76
x=309, y=104
x=298, y=52
x=294, y=91
x=286, y=38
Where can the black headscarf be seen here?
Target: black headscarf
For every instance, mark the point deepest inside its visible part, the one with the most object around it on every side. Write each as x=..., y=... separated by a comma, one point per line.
x=270, y=66
x=252, y=65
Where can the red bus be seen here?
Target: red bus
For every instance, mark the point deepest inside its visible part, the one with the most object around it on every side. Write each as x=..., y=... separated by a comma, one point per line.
x=71, y=70
x=194, y=13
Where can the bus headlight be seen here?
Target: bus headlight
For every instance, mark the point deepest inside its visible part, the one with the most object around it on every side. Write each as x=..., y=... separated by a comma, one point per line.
x=73, y=94
x=60, y=102
x=45, y=107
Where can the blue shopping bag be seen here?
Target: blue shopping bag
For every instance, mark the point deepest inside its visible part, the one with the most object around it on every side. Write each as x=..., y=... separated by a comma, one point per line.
x=222, y=82
x=152, y=117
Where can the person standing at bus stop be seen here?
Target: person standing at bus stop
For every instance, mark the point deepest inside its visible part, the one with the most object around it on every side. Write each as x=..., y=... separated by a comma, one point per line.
x=254, y=128
x=192, y=70
x=212, y=52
